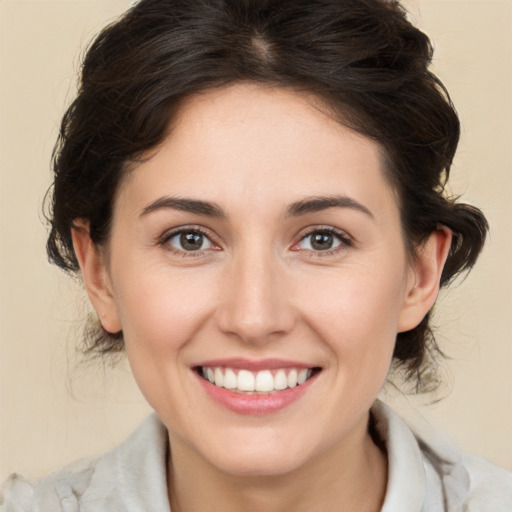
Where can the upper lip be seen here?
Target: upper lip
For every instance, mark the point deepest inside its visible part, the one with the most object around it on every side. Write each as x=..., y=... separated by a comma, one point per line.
x=255, y=365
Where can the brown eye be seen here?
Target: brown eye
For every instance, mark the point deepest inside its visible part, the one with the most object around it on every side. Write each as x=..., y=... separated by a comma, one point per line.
x=190, y=241
x=323, y=240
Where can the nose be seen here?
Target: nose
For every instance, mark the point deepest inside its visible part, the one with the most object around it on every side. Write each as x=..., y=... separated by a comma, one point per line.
x=256, y=305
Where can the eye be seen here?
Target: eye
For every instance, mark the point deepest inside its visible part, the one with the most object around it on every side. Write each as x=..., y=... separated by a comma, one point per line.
x=190, y=240
x=325, y=239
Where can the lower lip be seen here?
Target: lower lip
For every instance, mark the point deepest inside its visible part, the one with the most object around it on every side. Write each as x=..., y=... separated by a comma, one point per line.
x=257, y=404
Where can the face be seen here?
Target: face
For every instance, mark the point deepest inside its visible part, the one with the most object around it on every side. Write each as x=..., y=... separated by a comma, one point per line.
x=260, y=248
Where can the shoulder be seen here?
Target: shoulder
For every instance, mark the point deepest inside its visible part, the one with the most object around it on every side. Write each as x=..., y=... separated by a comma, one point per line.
x=469, y=483
x=427, y=473
x=490, y=487
x=117, y=480
x=58, y=491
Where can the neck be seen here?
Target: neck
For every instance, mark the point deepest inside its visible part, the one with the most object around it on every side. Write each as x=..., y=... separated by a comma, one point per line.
x=351, y=476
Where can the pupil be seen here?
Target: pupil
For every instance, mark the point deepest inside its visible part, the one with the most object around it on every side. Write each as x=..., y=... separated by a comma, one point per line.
x=322, y=241
x=191, y=241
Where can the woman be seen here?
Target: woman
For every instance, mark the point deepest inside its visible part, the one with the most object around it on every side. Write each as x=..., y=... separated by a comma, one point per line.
x=253, y=194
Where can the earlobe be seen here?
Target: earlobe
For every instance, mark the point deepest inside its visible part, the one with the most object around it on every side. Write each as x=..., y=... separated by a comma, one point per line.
x=424, y=283
x=95, y=276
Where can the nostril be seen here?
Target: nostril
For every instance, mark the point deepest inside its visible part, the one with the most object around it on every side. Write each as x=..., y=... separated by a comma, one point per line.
x=253, y=324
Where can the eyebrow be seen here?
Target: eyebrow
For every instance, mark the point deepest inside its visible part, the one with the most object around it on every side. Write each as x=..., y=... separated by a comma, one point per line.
x=185, y=205
x=319, y=203
x=303, y=207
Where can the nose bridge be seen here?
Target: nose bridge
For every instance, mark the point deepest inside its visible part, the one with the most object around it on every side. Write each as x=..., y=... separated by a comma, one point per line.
x=256, y=303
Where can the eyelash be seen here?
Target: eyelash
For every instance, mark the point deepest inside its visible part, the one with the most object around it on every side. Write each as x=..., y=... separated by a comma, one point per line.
x=344, y=241
x=167, y=237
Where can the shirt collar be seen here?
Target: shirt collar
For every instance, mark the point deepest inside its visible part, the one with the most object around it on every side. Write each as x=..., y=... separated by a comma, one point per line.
x=406, y=474
x=133, y=477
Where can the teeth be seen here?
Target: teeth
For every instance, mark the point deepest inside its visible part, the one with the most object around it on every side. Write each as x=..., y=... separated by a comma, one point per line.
x=303, y=375
x=280, y=381
x=245, y=381
x=230, y=379
x=292, y=379
x=264, y=381
x=219, y=377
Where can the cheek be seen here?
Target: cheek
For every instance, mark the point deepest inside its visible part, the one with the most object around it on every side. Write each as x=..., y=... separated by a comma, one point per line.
x=161, y=309
x=356, y=310
x=161, y=313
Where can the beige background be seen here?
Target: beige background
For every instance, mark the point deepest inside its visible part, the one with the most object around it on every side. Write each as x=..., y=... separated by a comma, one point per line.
x=53, y=411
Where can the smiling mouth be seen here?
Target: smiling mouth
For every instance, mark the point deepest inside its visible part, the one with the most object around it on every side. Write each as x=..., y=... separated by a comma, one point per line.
x=260, y=382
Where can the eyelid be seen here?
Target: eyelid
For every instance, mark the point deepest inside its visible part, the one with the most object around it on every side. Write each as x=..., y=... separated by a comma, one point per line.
x=191, y=228
x=344, y=238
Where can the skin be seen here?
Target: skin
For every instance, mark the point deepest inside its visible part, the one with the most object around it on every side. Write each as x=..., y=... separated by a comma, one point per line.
x=258, y=289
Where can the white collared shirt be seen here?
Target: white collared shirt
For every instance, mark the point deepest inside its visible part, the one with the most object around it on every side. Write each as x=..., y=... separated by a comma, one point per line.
x=421, y=477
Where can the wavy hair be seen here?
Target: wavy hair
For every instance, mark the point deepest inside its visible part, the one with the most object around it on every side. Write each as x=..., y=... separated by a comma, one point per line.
x=361, y=58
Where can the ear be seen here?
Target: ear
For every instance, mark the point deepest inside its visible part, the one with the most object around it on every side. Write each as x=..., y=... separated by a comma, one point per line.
x=424, y=281
x=95, y=276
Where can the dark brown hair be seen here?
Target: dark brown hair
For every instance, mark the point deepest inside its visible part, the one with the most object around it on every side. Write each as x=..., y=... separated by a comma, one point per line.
x=362, y=58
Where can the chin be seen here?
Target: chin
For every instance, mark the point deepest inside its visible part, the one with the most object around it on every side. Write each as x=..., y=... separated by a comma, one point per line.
x=259, y=466
x=259, y=458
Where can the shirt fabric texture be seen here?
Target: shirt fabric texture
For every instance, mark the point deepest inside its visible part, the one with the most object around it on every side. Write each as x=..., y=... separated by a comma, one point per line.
x=422, y=477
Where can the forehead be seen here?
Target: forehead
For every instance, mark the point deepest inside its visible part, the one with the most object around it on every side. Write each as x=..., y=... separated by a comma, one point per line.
x=249, y=145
